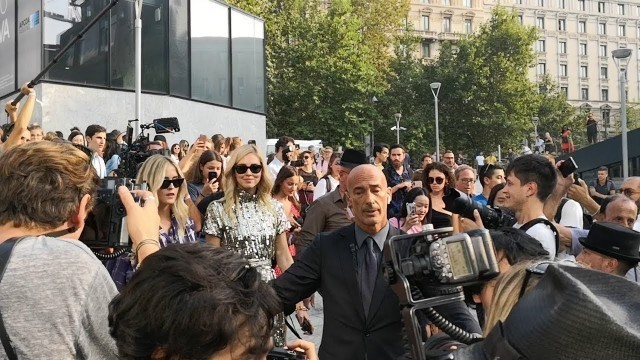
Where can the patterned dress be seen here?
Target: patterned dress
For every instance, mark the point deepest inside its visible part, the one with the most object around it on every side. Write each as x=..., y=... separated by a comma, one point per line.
x=252, y=234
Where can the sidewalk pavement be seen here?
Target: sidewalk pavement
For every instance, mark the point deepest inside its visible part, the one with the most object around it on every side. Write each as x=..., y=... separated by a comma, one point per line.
x=317, y=320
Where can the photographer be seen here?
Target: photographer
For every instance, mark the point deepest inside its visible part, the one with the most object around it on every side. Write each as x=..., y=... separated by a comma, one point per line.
x=54, y=293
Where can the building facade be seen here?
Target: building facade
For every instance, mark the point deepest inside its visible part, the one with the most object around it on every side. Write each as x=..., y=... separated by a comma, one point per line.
x=576, y=38
x=202, y=61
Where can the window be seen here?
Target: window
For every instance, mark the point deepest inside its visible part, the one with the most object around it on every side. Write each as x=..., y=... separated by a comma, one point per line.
x=562, y=47
x=426, y=50
x=603, y=51
x=540, y=46
x=518, y=2
x=581, y=5
x=564, y=90
x=582, y=48
x=584, y=72
x=563, y=70
x=602, y=28
x=562, y=25
x=521, y=19
x=604, y=73
x=604, y=95
x=562, y=4
x=620, y=9
x=584, y=93
x=468, y=3
x=446, y=2
x=446, y=24
x=425, y=23
x=247, y=61
x=541, y=3
x=541, y=69
x=622, y=30
x=601, y=7
x=540, y=22
x=468, y=26
x=582, y=26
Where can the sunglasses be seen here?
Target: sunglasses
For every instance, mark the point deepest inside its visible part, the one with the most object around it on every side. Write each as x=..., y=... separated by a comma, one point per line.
x=176, y=183
x=241, y=169
x=306, y=157
x=437, y=180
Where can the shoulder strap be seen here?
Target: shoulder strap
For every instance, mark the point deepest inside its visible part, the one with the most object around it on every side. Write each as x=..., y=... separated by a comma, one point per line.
x=327, y=183
x=530, y=224
x=5, y=254
x=559, y=211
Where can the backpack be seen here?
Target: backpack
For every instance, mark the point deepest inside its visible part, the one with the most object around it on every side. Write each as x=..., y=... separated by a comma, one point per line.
x=587, y=220
x=528, y=225
x=327, y=182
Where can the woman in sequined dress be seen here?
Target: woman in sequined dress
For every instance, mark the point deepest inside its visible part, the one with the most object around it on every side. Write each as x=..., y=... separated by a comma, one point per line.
x=250, y=222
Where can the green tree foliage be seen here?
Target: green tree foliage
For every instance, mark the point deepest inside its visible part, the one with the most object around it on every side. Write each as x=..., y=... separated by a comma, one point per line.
x=486, y=98
x=325, y=65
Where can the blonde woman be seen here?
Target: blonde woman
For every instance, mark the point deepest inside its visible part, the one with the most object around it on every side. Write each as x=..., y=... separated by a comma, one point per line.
x=249, y=221
x=166, y=182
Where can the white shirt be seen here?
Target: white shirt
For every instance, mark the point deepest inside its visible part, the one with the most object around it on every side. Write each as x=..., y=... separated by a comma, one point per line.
x=571, y=215
x=98, y=163
x=636, y=226
x=274, y=167
x=544, y=235
x=480, y=160
x=540, y=145
x=321, y=187
x=322, y=166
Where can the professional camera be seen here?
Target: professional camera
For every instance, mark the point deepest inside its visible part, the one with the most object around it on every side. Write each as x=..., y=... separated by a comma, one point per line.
x=137, y=151
x=436, y=259
x=106, y=225
x=460, y=203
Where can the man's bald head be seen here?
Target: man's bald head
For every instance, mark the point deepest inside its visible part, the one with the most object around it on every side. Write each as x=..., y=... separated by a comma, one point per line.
x=366, y=171
x=621, y=210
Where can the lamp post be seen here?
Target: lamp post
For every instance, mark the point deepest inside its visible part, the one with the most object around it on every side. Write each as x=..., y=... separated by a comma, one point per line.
x=435, y=90
x=397, y=128
x=621, y=58
x=535, y=120
x=374, y=101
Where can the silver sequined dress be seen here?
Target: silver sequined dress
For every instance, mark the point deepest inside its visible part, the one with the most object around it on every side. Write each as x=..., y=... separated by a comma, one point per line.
x=253, y=235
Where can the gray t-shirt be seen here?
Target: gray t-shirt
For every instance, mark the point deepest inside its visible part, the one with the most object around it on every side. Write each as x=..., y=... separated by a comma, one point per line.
x=54, y=299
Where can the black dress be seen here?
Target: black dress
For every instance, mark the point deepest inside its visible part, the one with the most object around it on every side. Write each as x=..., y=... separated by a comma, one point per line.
x=440, y=220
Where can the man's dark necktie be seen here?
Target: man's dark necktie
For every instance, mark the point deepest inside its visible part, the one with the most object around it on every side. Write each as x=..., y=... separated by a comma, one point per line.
x=370, y=272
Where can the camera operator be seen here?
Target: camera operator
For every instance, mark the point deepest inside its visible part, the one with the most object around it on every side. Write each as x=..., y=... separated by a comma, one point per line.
x=20, y=133
x=54, y=293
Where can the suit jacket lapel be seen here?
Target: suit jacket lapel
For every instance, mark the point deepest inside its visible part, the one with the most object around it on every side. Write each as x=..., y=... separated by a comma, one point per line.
x=349, y=264
x=381, y=283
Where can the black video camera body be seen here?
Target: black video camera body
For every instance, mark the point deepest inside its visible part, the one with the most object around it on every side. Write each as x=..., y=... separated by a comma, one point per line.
x=106, y=226
x=284, y=354
x=461, y=204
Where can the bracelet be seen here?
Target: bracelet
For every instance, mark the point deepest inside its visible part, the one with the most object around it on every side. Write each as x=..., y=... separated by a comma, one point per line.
x=301, y=308
x=146, y=242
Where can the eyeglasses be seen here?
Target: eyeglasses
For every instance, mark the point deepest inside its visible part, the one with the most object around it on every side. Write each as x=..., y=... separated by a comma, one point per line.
x=437, y=180
x=241, y=169
x=168, y=182
x=467, y=181
x=628, y=192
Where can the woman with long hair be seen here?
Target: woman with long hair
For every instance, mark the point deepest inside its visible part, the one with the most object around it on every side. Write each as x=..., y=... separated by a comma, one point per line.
x=309, y=179
x=175, y=152
x=184, y=148
x=413, y=223
x=331, y=180
x=205, y=178
x=284, y=189
x=166, y=182
x=437, y=179
x=249, y=221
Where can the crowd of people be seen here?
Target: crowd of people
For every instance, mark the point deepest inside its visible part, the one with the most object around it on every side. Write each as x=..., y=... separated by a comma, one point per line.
x=225, y=242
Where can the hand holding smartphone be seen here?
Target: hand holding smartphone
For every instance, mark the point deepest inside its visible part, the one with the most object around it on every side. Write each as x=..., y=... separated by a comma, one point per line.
x=212, y=175
x=568, y=167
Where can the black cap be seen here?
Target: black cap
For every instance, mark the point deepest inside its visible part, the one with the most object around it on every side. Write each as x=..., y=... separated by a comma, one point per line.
x=160, y=138
x=613, y=240
x=352, y=158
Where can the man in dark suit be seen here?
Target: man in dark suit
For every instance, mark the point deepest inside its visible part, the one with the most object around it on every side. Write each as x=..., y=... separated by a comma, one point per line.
x=361, y=312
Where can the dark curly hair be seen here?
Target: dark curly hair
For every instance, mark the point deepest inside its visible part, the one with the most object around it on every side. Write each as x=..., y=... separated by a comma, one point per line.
x=439, y=166
x=190, y=301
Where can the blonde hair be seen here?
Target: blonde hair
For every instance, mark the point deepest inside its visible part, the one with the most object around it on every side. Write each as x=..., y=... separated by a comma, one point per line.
x=507, y=292
x=153, y=172
x=231, y=189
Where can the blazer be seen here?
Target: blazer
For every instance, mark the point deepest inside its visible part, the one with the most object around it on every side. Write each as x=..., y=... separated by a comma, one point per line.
x=329, y=267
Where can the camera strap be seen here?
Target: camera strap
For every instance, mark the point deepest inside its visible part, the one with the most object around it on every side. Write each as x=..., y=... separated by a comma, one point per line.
x=6, y=248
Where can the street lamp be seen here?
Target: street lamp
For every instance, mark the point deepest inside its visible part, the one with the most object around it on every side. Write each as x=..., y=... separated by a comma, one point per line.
x=536, y=121
x=621, y=58
x=435, y=90
x=374, y=101
x=397, y=128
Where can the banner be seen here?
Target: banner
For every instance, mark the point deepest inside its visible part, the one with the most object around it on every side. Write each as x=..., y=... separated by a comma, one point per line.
x=7, y=46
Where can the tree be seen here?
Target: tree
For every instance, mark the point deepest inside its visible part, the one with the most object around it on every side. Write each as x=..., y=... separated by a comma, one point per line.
x=486, y=98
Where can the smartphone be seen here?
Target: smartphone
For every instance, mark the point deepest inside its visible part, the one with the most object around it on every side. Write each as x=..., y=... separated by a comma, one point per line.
x=251, y=142
x=213, y=175
x=411, y=209
x=576, y=178
x=416, y=184
x=568, y=167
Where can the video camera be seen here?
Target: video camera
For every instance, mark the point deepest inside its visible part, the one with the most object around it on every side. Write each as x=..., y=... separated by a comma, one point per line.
x=106, y=225
x=436, y=259
x=137, y=151
x=461, y=204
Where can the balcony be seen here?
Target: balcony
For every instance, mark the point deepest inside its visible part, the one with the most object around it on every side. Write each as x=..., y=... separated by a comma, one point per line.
x=450, y=36
x=427, y=34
